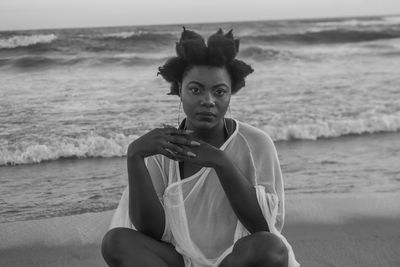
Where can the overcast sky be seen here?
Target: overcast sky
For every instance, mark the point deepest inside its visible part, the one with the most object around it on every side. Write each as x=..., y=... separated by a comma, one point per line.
x=37, y=14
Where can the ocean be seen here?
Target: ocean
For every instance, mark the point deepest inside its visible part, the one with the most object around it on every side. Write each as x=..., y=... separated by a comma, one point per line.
x=71, y=100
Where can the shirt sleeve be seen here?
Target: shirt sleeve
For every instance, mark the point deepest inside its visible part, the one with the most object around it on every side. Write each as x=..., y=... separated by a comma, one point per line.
x=159, y=179
x=262, y=169
x=270, y=194
x=269, y=184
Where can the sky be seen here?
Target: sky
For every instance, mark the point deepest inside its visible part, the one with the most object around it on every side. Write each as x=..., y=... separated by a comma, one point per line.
x=44, y=14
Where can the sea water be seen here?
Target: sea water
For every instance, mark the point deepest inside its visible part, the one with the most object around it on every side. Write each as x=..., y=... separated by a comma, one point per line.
x=67, y=95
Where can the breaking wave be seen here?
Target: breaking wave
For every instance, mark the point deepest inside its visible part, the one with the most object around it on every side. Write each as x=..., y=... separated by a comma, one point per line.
x=390, y=20
x=329, y=36
x=332, y=129
x=26, y=40
x=139, y=36
x=98, y=146
x=258, y=53
x=137, y=33
x=48, y=61
x=85, y=147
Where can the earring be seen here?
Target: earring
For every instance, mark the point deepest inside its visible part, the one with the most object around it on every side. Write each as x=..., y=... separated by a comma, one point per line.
x=226, y=128
x=230, y=115
x=179, y=113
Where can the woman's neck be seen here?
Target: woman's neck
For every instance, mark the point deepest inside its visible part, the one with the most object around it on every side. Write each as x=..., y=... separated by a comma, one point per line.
x=214, y=136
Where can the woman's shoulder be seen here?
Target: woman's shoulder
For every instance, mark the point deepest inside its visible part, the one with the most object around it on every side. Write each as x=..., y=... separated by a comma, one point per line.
x=259, y=143
x=254, y=134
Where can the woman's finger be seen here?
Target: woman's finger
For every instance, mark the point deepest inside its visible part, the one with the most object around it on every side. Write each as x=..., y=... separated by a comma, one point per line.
x=171, y=130
x=174, y=148
x=177, y=150
x=167, y=126
x=181, y=140
x=170, y=154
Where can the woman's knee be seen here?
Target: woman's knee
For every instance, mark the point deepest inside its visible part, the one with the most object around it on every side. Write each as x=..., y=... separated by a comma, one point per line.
x=270, y=250
x=125, y=245
x=262, y=249
x=116, y=240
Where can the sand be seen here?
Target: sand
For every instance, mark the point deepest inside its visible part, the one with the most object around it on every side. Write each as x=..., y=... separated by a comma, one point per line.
x=324, y=230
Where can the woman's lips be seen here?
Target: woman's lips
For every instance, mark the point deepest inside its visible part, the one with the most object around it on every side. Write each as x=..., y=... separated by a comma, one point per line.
x=208, y=114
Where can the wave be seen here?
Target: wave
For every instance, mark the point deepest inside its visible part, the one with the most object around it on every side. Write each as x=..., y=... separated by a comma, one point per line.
x=356, y=22
x=142, y=36
x=123, y=35
x=332, y=129
x=39, y=61
x=47, y=61
x=84, y=147
x=137, y=33
x=98, y=146
x=139, y=41
x=328, y=36
x=26, y=40
x=257, y=52
x=261, y=54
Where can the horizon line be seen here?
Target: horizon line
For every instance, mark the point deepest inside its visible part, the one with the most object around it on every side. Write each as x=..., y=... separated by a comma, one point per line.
x=209, y=22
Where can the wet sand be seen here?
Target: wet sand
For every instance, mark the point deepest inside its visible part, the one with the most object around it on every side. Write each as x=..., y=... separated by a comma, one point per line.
x=324, y=230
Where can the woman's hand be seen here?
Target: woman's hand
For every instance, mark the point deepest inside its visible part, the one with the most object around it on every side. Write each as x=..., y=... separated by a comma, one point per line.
x=206, y=155
x=168, y=141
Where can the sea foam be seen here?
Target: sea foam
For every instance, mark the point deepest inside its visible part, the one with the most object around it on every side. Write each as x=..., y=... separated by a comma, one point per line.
x=84, y=147
x=116, y=146
x=332, y=129
x=26, y=40
x=127, y=34
x=390, y=20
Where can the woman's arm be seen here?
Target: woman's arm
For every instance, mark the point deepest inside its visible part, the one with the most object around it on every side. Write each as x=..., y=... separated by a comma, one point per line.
x=145, y=209
x=241, y=195
x=240, y=192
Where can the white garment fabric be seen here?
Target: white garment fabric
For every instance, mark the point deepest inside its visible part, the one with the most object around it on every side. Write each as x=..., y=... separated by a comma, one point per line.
x=200, y=221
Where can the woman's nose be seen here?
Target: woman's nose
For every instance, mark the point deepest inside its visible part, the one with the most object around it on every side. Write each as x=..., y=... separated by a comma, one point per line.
x=208, y=100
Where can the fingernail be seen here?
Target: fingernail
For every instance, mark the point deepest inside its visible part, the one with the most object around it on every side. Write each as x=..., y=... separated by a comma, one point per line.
x=194, y=143
x=170, y=151
x=191, y=154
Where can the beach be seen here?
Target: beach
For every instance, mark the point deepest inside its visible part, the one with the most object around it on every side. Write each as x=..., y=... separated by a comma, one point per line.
x=325, y=90
x=334, y=217
x=324, y=230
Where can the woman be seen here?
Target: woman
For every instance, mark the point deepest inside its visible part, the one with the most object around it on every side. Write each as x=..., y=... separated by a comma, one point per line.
x=209, y=193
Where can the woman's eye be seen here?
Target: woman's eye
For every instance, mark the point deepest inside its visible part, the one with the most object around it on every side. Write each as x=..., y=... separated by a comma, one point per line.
x=195, y=90
x=220, y=92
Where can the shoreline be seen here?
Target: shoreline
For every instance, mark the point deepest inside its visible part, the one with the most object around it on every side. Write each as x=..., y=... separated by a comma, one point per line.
x=324, y=230
x=278, y=144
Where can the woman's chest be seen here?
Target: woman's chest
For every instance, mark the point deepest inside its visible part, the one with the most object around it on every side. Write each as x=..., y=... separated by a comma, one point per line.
x=187, y=169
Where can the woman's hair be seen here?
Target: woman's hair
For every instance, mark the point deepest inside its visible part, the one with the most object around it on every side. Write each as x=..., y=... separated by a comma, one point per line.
x=191, y=50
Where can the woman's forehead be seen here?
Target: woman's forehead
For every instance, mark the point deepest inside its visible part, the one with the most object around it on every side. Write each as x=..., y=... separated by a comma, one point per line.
x=207, y=74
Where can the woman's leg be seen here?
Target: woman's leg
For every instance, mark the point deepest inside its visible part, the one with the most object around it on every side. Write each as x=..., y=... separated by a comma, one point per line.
x=124, y=247
x=259, y=249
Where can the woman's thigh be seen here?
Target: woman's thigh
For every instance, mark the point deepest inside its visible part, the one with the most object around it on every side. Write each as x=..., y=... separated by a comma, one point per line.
x=127, y=245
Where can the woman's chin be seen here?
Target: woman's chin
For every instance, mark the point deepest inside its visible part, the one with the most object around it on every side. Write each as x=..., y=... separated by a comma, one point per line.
x=205, y=123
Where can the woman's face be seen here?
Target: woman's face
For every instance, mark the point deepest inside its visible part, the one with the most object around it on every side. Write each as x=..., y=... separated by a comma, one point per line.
x=205, y=94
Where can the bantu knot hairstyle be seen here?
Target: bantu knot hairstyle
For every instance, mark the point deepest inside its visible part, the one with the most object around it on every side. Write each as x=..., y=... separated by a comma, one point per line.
x=191, y=50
